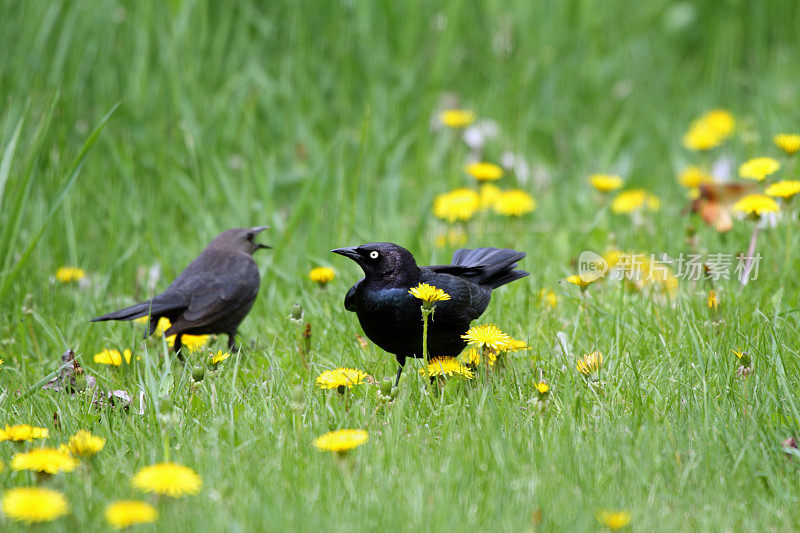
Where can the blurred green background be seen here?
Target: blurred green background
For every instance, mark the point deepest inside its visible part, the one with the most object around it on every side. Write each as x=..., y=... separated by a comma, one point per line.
x=315, y=116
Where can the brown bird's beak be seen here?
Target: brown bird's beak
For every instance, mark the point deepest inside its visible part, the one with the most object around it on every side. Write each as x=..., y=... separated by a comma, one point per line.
x=350, y=252
x=257, y=230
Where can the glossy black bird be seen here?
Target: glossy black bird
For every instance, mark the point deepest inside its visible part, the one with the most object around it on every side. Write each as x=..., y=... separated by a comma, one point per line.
x=212, y=295
x=391, y=317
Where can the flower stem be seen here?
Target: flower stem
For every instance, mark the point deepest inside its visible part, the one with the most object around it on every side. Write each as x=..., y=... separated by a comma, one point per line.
x=426, y=312
x=751, y=250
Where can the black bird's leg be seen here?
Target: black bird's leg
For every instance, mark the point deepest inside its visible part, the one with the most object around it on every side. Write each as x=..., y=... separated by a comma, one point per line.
x=402, y=362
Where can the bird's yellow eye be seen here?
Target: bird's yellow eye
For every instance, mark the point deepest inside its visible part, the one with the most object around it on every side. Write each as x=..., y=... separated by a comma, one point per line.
x=374, y=254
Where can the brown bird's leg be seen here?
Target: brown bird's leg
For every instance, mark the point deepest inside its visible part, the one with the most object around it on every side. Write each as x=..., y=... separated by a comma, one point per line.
x=151, y=326
x=178, y=345
x=232, y=341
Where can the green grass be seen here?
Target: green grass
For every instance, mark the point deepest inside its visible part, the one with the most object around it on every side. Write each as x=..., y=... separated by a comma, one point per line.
x=131, y=133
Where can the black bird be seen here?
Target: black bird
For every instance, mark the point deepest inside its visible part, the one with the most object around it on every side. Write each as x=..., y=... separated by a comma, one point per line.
x=391, y=317
x=212, y=295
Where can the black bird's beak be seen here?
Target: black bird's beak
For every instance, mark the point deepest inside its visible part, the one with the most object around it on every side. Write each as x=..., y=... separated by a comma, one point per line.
x=350, y=252
x=257, y=230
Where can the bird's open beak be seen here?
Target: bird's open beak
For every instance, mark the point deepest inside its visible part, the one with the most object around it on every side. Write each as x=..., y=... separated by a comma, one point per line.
x=350, y=252
x=257, y=230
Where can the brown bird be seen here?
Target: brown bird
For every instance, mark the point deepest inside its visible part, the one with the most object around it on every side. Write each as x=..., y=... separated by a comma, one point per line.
x=212, y=295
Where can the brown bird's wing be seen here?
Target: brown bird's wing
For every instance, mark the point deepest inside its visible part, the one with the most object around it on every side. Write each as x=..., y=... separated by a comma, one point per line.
x=216, y=285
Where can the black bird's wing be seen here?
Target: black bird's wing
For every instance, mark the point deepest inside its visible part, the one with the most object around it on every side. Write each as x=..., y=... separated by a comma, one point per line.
x=350, y=297
x=467, y=301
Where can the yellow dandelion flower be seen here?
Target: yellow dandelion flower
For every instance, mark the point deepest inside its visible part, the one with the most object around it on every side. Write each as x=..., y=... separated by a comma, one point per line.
x=126, y=513
x=341, y=441
x=643, y=272
x=488, y=195
x=613, y=520
x=783, y=189
x=756, y=204
x=710, y=130
x=701, y=138
x=542, y=387
x=428, y=293
x=23, y=432
x=548, y=298
x=163, y=325
x=759, y=168
x=606, y=182
x=219, y=357
x=483, y=171
x=590, y=363
x=191, y=343
x=634, y=200
x=744, y=358
x=515, y=345
x=452, y=237
x=34, y=504
x=473, y=356
x=712, y=301
x=612, y=257
x=583, y=280
x=693, y=176
x=112, y=357
x=788, y=142
x=321, y=275
x=459, y=204
x=487, y=335
x=720, y=121
x=514, y=203
x=85, y=444
x=170, y=479
x=67, y=274
x=340, y=377
x=456, y=118
x=47, y=460
x=445, y=366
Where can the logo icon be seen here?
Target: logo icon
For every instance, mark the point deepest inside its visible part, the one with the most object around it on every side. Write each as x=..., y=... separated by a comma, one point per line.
x=591, y=266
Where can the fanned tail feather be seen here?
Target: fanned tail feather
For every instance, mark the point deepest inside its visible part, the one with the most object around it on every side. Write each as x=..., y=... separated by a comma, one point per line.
x=490, y=267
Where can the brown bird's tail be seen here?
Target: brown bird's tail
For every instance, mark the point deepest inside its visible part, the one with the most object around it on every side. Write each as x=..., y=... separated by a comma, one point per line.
x=135, y=311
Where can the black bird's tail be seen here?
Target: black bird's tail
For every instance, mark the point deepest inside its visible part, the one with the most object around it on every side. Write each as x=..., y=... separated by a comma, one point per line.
x=490, y=267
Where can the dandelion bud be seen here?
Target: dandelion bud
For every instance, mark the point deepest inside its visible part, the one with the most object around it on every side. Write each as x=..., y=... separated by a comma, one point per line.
x=305, y=346
x=298, y=394
x=165, y=404
x=297, y=313
x=80, y=382
x=198, y=373
x=386, y=386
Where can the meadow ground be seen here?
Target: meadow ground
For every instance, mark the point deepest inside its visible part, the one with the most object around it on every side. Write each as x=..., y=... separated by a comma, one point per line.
x=133, y=132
